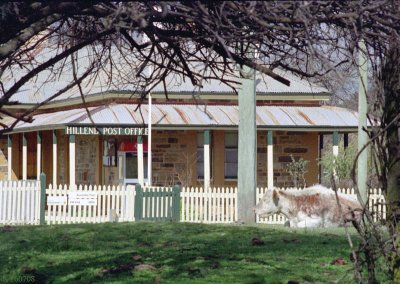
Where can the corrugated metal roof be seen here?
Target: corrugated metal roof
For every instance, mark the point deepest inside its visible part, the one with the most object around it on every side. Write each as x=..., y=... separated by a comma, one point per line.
x=167, y=115
x=46, y=83
x=266, y=85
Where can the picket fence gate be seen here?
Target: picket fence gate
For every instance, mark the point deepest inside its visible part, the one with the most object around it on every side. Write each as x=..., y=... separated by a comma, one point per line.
x=19, y=202
x=157, y=203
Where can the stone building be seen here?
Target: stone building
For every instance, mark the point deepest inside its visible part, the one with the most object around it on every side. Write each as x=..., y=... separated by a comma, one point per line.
x=190, y=131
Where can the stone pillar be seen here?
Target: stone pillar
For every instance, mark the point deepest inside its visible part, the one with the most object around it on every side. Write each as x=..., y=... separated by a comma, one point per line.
x=335, y=150
x=207, y=164
x=38, y=155
x=140, y=159
x=54, y=159
x=247, y=152
x=24, y=157
x=270, y=161
x=9, y=157
x=72, y=163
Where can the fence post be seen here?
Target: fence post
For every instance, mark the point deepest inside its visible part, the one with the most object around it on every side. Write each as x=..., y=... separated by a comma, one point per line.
x=176, y=203
x=138, y=202
x=42, y=198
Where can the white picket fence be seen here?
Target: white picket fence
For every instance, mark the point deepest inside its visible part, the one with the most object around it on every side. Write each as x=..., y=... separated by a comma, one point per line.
x=215, y=205
x=19, y=202
x=219, y=205
x=114, y=203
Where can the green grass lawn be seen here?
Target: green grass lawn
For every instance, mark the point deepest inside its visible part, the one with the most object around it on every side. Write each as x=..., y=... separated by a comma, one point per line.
x=172, y=253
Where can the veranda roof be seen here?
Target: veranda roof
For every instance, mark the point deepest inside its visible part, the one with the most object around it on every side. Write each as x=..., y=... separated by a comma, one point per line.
x=184, y=116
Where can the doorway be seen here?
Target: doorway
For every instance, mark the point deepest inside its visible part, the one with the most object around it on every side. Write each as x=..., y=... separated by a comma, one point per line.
x=128, y=168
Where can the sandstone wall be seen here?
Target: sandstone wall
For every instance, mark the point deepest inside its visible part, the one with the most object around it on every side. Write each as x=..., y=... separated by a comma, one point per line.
x=285, y=144
x=87, y=159
x=3, y=158
x=174, y=157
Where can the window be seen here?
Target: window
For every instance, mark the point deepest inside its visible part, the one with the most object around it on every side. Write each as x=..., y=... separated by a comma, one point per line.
x=200, y=156
x=231, y=155
x=110, y=152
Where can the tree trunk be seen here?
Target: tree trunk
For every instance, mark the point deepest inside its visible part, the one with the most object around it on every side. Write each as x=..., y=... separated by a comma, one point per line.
x=390, y=79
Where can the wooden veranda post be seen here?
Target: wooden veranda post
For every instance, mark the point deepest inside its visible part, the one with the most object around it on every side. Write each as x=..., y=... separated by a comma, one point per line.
x=42, y=198
x=270, y=161
x=54, y=158
x=38, y=155
x=24, y=157
x=335, y=147
x=140, y=159
x=207, y=167
x=72, y=162
x=9, y=157
x=335, y=151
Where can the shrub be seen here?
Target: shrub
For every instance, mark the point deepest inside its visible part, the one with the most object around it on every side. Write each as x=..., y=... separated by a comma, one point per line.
x=297, y=169
x=339, y=167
